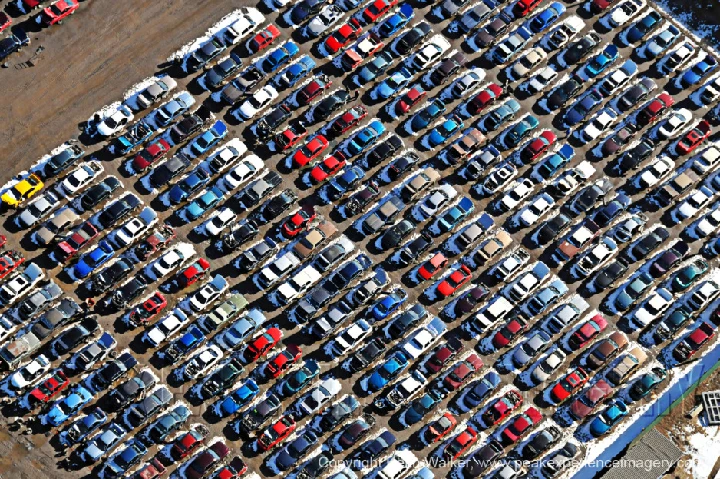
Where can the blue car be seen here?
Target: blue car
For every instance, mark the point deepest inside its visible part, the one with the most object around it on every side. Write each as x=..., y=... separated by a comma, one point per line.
x=443, y=132
x=133, y=137
x=552, y=164
x=610, y=417
x=427, y=115
x=699, y=71
x=500, y=115
x=584, y=106
x=349, y=178
x=599, y=63
x=393, y=84
x=209, y=138
x=237, y=399
x=295, y=72
x=185, y=343
x=188, y=185
x=457, y=214
x=67, y=407
x=421, y=407
x=478, y=391
x=203, y=204
x=300, y=378
x=396, y=22
x=83, y=427
x=121, y=462
x=376, y=67
x=387, y=371
x=90, y=261
x=365, y=137
x=547, y=17
x=643, y=27
x=520, y=130
x=389, y=304
x=277, y=58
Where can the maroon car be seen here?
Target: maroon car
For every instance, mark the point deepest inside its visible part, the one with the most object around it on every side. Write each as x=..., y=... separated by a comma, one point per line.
x=75, y=241
x=585, y=404
x=463, y=371
x=443, y=354
x=206, y=460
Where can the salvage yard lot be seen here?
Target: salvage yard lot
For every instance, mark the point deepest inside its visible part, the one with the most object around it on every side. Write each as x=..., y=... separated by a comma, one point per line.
x=473, y=298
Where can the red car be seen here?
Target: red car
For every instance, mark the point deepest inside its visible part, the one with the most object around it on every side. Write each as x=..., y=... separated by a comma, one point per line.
x=76, y=241
x=598, y=6
x=234, y=470
x=275, y=434
x=460, y=444
x=299, y=221
x=694, y=341
x=343, y=36
x=572, y=381
x=328, y=167
x=441, y=427
x=261, y=345
x=443, y=355
x=462, y=372
x=290, y=137
x=310, y=151
x=694, y=138
x=148, y=309
x=502, y=407
x=587, y=332
x=194, y=273
x=455, y=281
x=188, y=443
x=157, y=241
x=56, y=12
x=489, y=94
x=49, y=389
x=512, y=329
x=414, y=96
x=283, y=360
x=9, y=262
x=523, y=7
x=5, y=21
x=432, y=266
x=263, y=39
x=349, y=119
x=584, y=405
x=377, y=10
x=538, y=146
x=654, y=109
x=521, y=425
x=150, y=154
x=206, y=460
x=312, y=90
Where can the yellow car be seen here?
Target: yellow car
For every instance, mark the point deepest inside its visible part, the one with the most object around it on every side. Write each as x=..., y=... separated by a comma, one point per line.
x=22, y=191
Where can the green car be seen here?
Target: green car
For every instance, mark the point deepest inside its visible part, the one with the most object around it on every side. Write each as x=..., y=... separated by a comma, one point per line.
x=688, y=275
x=520, y=130
x=647, y=382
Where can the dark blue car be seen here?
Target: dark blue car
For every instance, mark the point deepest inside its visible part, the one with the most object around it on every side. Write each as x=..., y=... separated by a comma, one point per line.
x=295, y=72
x=396, y=22
x=547, y=17
x=427, y=115
x=89, y=262
x=188, y=185
x=587, y=103
x=699, y=71
x=237, y=399
x=643, y=26
x=277, y=58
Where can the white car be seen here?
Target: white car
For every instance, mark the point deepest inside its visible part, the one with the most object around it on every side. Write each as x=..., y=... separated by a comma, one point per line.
x=541, y=80
x=81, y=177
x=548, y=366
x=166, y=328
x=677, y=57
x=571, y=179
x=428, y=53
x=212, y=290
x=536, y=209
x=40, y=207
x=559, y=36
x=623, y=12
x=328, y=16
x=674, y=124
x=654, y=305
x=693, y=203
x=437, y=199
x=135, y=228
x=250, y=19
x=219, y=221
x=350, y=337
x=202, y=361
x=519, y=191
x=420, y=340
x=173, y=259
x=598, y=125
x=248, y=168
x=617, y=79
x=466, y=83
x=260, y=100
x=594, y=258
x=115, y=122
x=226, y=155
x=20, y=284
x=655, y=172
x=321, y=395
x=500, y=176
x=398, y=465
x=158, y=90
x=29, y=373
x=527, y=62
x=709, y=223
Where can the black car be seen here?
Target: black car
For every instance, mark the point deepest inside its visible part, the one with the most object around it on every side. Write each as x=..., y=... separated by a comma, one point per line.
x=171, y=169
x=205, y=54
x=634, y=157
x=249, y=259
x=128, y=292
x=222, y=379
x=402, y=165
x=63, y=160
x=140, y=412
x=304, y=9
x=369, y=353
x=186, y=127
x=581, y=48
x=482, y=459
x=541, y=442
x=406, y=321
x=552, y=228
x=371, y=451
x=14, y=43
x=350, y=271
x=131, y=390
x=396, y=233
x=361, y=199
x=563, y=93
x=267, y=125
x=447, y=68
x=239, y=234
x=636, y=94
x=412, y=38
x=55, y=317
x=330, y=105
x=649, y=243
x=610, y=273
x=99, y=193
x=72, y=337
x=316, y=466
x=336, y=414
x=112, y=371
x=589, y=196
x=264, y=410
x=412, y=251
x=241, y=85
x=111, y=276
x=487, y=35
x=309, y=306
x=276, y=206
x=217, y=74
x=383, y=151
x=118, y=210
